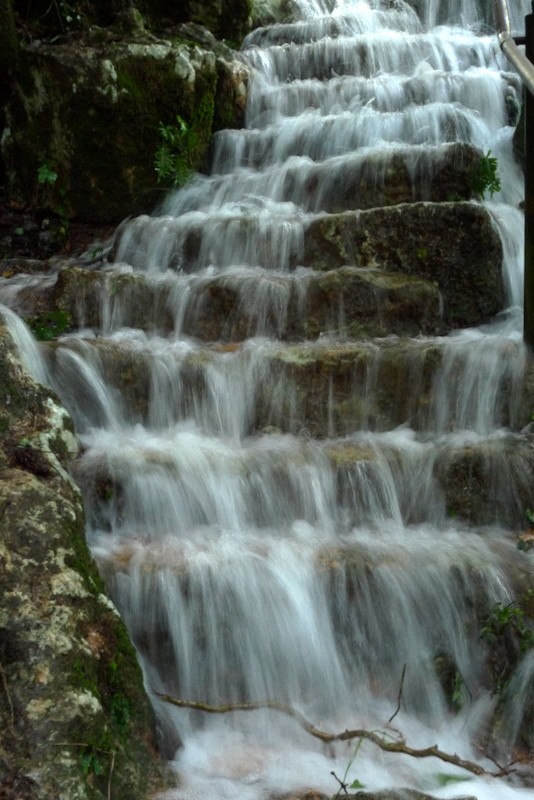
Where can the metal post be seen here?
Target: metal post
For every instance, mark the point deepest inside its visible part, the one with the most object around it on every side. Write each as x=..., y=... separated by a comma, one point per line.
x=529, y=193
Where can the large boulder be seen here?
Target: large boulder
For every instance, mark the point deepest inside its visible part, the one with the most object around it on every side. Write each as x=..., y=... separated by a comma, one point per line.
x=74, y=718
x=454, y=244
x=84, y=120
x=229, y=19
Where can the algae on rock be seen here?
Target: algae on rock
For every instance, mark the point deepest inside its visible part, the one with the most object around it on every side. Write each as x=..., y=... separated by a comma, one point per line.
x=92, y=113
x=74, y=718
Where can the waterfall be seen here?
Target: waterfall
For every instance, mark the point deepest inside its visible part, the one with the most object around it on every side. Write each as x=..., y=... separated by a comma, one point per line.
x=284, y=517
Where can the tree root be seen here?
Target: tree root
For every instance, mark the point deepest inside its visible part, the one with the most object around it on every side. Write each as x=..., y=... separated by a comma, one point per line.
x=347, y=735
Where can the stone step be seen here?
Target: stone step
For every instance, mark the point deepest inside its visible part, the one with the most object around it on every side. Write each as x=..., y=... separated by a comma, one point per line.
x=319, y=137
x=366, y=54
x=369, y=178
x=323, y=389
x=370, y=20
x=269, y=483
x=473, y=90
x=368, y=581
x=415, y=268
x=237, y=303
x=454, y=244
x=473, y=481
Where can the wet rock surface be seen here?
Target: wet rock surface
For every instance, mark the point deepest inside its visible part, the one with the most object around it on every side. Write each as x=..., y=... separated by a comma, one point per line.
x=83, y=120
x=455, y=245
x=74, y=717
x=271, y=430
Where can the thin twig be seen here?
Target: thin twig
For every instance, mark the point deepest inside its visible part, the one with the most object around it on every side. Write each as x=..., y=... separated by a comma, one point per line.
x=112, y=765
x=10, y=702
x=399, y=696
x=341, y=784
x=359, y=733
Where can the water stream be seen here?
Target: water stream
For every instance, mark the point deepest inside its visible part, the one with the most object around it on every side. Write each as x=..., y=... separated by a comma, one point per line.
x=265, y=543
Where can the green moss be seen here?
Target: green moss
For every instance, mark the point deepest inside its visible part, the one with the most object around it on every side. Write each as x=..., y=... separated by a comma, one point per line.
x=49, y=325
x=111, y=744
x=93, y=116
x=81, y=559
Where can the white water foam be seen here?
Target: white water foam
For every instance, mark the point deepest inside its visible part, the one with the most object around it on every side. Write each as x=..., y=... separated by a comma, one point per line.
x=250, y=560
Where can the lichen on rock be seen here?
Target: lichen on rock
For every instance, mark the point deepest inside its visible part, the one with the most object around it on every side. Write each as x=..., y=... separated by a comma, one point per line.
x=90, y=112
x=74, y=716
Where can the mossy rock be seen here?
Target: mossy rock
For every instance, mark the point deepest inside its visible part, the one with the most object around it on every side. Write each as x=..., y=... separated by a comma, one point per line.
x=453, y=244
x=78, y=720
x=84, y=122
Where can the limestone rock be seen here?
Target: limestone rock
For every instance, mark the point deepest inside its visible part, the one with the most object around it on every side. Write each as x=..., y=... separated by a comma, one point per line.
x=73, y=716
x=88, y=116
x=232, y=307
x=453, y=244
x=225, y=18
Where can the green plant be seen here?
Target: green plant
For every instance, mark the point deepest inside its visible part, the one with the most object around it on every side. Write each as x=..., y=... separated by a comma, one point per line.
x=171, y=160
x=508, y=621
x=49, y=325
x=46, y=175
x=356, y=784
x=120, y=712
x=90, y=762
x=484, y=177
x=509, y=633
x=445, y=779
x=53, y=197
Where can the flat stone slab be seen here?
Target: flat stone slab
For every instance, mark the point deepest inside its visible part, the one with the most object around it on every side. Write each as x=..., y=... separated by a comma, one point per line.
x=325, y=389
x=454, y=244
x=409, y=269
x=236, y=304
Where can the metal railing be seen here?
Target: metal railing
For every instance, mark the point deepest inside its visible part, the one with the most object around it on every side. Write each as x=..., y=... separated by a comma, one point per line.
x=523, y=63
x=509, y=44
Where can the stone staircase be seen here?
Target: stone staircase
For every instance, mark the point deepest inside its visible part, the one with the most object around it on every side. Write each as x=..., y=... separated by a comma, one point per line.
x=262, y=378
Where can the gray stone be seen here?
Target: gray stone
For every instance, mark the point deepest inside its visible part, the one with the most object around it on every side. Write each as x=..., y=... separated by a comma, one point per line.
x=454, y=244
x=74, y=716
x=90, y=114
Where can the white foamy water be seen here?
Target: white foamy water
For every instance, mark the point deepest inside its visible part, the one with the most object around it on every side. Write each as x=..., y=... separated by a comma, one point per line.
x=306, y=522
x=25, y=347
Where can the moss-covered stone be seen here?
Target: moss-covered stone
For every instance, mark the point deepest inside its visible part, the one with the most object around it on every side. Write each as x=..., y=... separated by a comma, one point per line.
x=77, y=722
x=454, y=244
x=83, y=124
x=350, y=301
x=489, y=483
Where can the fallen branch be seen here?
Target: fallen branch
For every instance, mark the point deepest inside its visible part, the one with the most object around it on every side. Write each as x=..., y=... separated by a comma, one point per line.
x=325, y=736
x=399, y=697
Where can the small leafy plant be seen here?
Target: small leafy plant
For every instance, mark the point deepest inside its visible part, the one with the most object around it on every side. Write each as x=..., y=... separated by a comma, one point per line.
x=508, y=620
x=49, y=325
x=171, y=160
x=90, y=762
x=509, y=634
x=485, y=177
x=46, y=175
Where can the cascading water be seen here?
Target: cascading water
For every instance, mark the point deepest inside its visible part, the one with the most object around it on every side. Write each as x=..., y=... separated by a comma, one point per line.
x=262, y=542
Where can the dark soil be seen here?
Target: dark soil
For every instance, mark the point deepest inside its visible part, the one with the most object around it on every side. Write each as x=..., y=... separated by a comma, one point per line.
x=38, y=234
